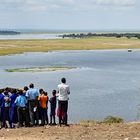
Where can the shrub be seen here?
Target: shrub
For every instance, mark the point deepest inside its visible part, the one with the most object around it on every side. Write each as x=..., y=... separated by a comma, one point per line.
x=111, y=119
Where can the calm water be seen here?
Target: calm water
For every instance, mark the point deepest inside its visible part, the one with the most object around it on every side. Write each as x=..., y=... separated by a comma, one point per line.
x=104, y=83
x=30, y=36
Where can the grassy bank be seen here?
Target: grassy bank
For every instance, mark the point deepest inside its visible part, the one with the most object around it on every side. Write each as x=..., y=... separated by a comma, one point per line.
x=20, y=46
x=40, y=69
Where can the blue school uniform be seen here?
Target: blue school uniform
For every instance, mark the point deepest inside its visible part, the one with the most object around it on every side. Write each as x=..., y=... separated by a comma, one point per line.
x=1, y=100
x=6, y=116
x=13, y=109
x=21, y=102
x=1, y=106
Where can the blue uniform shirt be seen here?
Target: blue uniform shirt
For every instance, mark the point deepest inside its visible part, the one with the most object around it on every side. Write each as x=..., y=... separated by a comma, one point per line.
x=1, y=100
x=13, y=98
x=32, y=93
x=7, y=100
x=21, y=101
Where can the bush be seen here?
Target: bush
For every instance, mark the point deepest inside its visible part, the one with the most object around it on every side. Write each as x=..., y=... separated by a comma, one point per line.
x=111, y=119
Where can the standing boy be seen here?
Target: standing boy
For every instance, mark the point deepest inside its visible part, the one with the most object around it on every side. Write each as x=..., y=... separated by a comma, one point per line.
x=13, y=108
x=53, y=107
x=21, y=102
x=43, y=106
x=7, y=100
x=1, y=109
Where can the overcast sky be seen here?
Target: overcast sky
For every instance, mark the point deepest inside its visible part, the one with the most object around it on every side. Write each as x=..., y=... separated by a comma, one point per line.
x=70, y=14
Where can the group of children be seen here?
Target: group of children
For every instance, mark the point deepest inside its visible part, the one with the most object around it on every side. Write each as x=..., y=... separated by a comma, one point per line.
x=17, y=109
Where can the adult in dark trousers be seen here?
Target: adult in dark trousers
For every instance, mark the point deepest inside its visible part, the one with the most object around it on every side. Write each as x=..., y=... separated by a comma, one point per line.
x=32, y=97
x=63, y=92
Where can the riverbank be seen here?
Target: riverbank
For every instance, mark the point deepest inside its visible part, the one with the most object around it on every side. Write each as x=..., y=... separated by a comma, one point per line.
x=38, y=45
x=122, y=131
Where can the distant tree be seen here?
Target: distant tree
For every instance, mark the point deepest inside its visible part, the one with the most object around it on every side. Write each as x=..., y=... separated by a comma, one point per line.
x=138, y=37
x=128, y=36
x=118, y=36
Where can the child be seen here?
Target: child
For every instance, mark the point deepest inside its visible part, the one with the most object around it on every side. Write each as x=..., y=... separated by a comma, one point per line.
x=7, y=100
x=43, y=106
x=13, y=108
x=53, y=107
x=1, y=109
x=21, y=102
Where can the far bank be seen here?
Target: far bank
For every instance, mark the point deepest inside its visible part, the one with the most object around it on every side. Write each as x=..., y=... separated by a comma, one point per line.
x=44, y=45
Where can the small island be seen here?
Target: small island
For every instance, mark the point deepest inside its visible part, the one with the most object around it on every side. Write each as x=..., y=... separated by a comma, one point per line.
x=39, y=69
x=7, y=32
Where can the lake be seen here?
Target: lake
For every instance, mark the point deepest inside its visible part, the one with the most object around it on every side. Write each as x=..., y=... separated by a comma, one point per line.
x=105, y=82
x=30, y=36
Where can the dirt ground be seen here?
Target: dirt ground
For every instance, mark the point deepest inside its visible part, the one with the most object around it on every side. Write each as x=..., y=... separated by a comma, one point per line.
x=126, y=131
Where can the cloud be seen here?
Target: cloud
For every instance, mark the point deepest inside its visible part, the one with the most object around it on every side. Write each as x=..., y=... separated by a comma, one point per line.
x=114, y=2
x=53, y=5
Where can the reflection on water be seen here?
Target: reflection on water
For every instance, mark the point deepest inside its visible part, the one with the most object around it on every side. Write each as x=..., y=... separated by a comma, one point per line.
x=105, y=83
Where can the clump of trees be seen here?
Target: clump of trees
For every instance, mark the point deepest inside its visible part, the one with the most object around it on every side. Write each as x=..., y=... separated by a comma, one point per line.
x=87, y=35
x=8, y=32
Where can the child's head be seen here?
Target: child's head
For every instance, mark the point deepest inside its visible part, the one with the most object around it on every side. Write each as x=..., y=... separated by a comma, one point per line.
x=45, y=93
x=13, y=90
x=25, y=88
x=31, y=85
x=41, y=91
x=54, y=92
x=20, y=92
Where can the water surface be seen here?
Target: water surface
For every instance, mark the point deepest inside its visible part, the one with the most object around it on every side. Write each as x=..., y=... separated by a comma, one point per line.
x=104, y=83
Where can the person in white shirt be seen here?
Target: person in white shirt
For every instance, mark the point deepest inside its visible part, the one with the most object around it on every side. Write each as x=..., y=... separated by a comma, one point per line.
x=63, y=92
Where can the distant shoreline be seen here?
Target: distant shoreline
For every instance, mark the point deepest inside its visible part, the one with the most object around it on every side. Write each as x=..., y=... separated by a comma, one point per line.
x=8, y=32
x=47, y=45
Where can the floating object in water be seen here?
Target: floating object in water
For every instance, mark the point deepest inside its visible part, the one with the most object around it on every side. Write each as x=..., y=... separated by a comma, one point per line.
x=129, y=50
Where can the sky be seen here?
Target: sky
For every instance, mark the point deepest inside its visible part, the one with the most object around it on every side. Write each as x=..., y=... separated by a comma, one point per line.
x=70, y=14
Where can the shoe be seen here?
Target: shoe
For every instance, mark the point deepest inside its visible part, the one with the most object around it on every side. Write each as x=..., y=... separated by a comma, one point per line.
x=67, y=125
x=54, y=124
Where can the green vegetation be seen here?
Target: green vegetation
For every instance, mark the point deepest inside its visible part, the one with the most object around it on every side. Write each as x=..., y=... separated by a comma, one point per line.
x=87, y=35
x=39, y=69
x=107, y=120
x=111, y=119
x=20, y=46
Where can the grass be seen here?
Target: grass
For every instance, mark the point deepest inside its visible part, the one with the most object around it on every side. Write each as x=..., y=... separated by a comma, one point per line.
x=20, y=46
x=107, y=120
x=39, y=69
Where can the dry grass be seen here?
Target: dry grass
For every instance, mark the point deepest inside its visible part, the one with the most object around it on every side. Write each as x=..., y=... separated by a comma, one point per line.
x=20, y=46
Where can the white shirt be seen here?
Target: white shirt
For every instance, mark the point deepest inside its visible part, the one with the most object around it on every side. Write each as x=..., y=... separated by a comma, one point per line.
x=64, y=91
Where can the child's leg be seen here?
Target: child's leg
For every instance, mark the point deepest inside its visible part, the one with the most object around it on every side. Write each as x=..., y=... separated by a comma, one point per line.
x=1, y=117
x=7, y=120
x=50, y=119
x=20, y=115
x=43, y=116
x=47, y=120
x=11, y=116
x=54, y=119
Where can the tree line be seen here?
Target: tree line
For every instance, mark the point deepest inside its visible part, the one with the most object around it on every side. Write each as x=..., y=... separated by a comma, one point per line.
x=87, y=35
x=8, y=32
